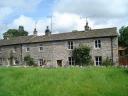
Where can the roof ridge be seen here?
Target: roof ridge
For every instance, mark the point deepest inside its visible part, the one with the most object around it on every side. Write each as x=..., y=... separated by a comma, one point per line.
x=105, y=28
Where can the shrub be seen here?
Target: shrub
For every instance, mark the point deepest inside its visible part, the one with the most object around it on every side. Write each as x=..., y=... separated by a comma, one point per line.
x=81, y=55
x=29, y=60
x=107, y=62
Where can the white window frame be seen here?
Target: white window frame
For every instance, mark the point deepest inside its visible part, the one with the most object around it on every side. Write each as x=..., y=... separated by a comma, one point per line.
x=27, y=49
x=41, y=62
x=40, y=48
x=70, y=45
x=97, y=44
x=71, y=61
x=98, y=60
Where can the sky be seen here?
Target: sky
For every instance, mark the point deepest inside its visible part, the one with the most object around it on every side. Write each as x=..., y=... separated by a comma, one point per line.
x=67, y=15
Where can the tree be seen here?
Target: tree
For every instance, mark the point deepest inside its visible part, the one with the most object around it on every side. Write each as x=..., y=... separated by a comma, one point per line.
x=15, y=32
x=29, y=60
x=123, y=37
x=81, y=55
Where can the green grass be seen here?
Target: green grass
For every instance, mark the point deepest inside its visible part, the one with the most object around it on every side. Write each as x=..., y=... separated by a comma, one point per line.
x=91, y=81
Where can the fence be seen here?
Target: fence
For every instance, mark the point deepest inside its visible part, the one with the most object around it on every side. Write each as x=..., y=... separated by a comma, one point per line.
x=123, y=60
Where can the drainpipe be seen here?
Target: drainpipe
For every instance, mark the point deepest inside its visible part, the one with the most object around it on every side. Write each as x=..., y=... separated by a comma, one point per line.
x=21, y=54
x=112, y=49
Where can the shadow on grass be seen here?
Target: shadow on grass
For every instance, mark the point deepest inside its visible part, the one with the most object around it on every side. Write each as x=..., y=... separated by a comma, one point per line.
x=126, y=71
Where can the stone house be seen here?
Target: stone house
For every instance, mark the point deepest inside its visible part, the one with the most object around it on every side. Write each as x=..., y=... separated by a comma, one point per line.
x=56, y=49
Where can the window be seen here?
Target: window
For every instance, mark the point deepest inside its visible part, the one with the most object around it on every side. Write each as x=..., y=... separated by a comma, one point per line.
x=97, y=43
x=27, y=49
x=41, y=62
x=41, y=48
x=71, y=61
x=98, y=60
x=70, y=44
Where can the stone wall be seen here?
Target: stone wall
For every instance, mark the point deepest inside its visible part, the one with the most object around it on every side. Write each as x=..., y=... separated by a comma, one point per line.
x=53, y=51
x=8, y=51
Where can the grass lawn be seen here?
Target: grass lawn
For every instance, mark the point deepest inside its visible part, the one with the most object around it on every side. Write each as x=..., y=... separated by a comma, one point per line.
x=91, y=81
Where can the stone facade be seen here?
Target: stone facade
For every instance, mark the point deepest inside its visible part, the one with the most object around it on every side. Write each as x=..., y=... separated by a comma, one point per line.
x=56, y=53
x=8, y=52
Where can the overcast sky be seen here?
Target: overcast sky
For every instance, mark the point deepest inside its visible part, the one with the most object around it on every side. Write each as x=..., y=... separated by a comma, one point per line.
x=67, y=15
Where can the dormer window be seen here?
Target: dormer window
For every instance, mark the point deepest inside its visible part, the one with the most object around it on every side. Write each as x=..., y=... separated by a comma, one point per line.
x=70, y=44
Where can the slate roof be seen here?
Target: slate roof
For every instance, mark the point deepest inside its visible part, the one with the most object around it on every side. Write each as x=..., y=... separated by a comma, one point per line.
x=96, y=33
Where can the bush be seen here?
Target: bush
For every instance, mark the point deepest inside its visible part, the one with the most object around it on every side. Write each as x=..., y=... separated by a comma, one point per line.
x=29, y=60
x=82, y=56
x=107, y=62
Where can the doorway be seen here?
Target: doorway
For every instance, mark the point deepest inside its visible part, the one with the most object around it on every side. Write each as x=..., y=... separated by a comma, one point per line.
x=59, y=63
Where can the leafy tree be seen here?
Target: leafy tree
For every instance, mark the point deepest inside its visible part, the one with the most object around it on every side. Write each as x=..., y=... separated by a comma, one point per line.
x=29, y=60
x=81, y=55
x=123, y=37
x=15, y=33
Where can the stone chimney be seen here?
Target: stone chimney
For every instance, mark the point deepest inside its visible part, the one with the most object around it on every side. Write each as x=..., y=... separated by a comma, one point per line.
x=35, y=32
x=87, y=28
x=47, y=31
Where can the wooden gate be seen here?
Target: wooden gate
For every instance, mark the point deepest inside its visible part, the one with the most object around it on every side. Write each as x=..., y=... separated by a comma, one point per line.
x=123, y=60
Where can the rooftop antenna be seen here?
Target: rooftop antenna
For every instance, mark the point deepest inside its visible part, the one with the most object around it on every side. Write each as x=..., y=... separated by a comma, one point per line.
x=36, y=24
x=87, y=20
x=35, y=31
x=51, y=21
